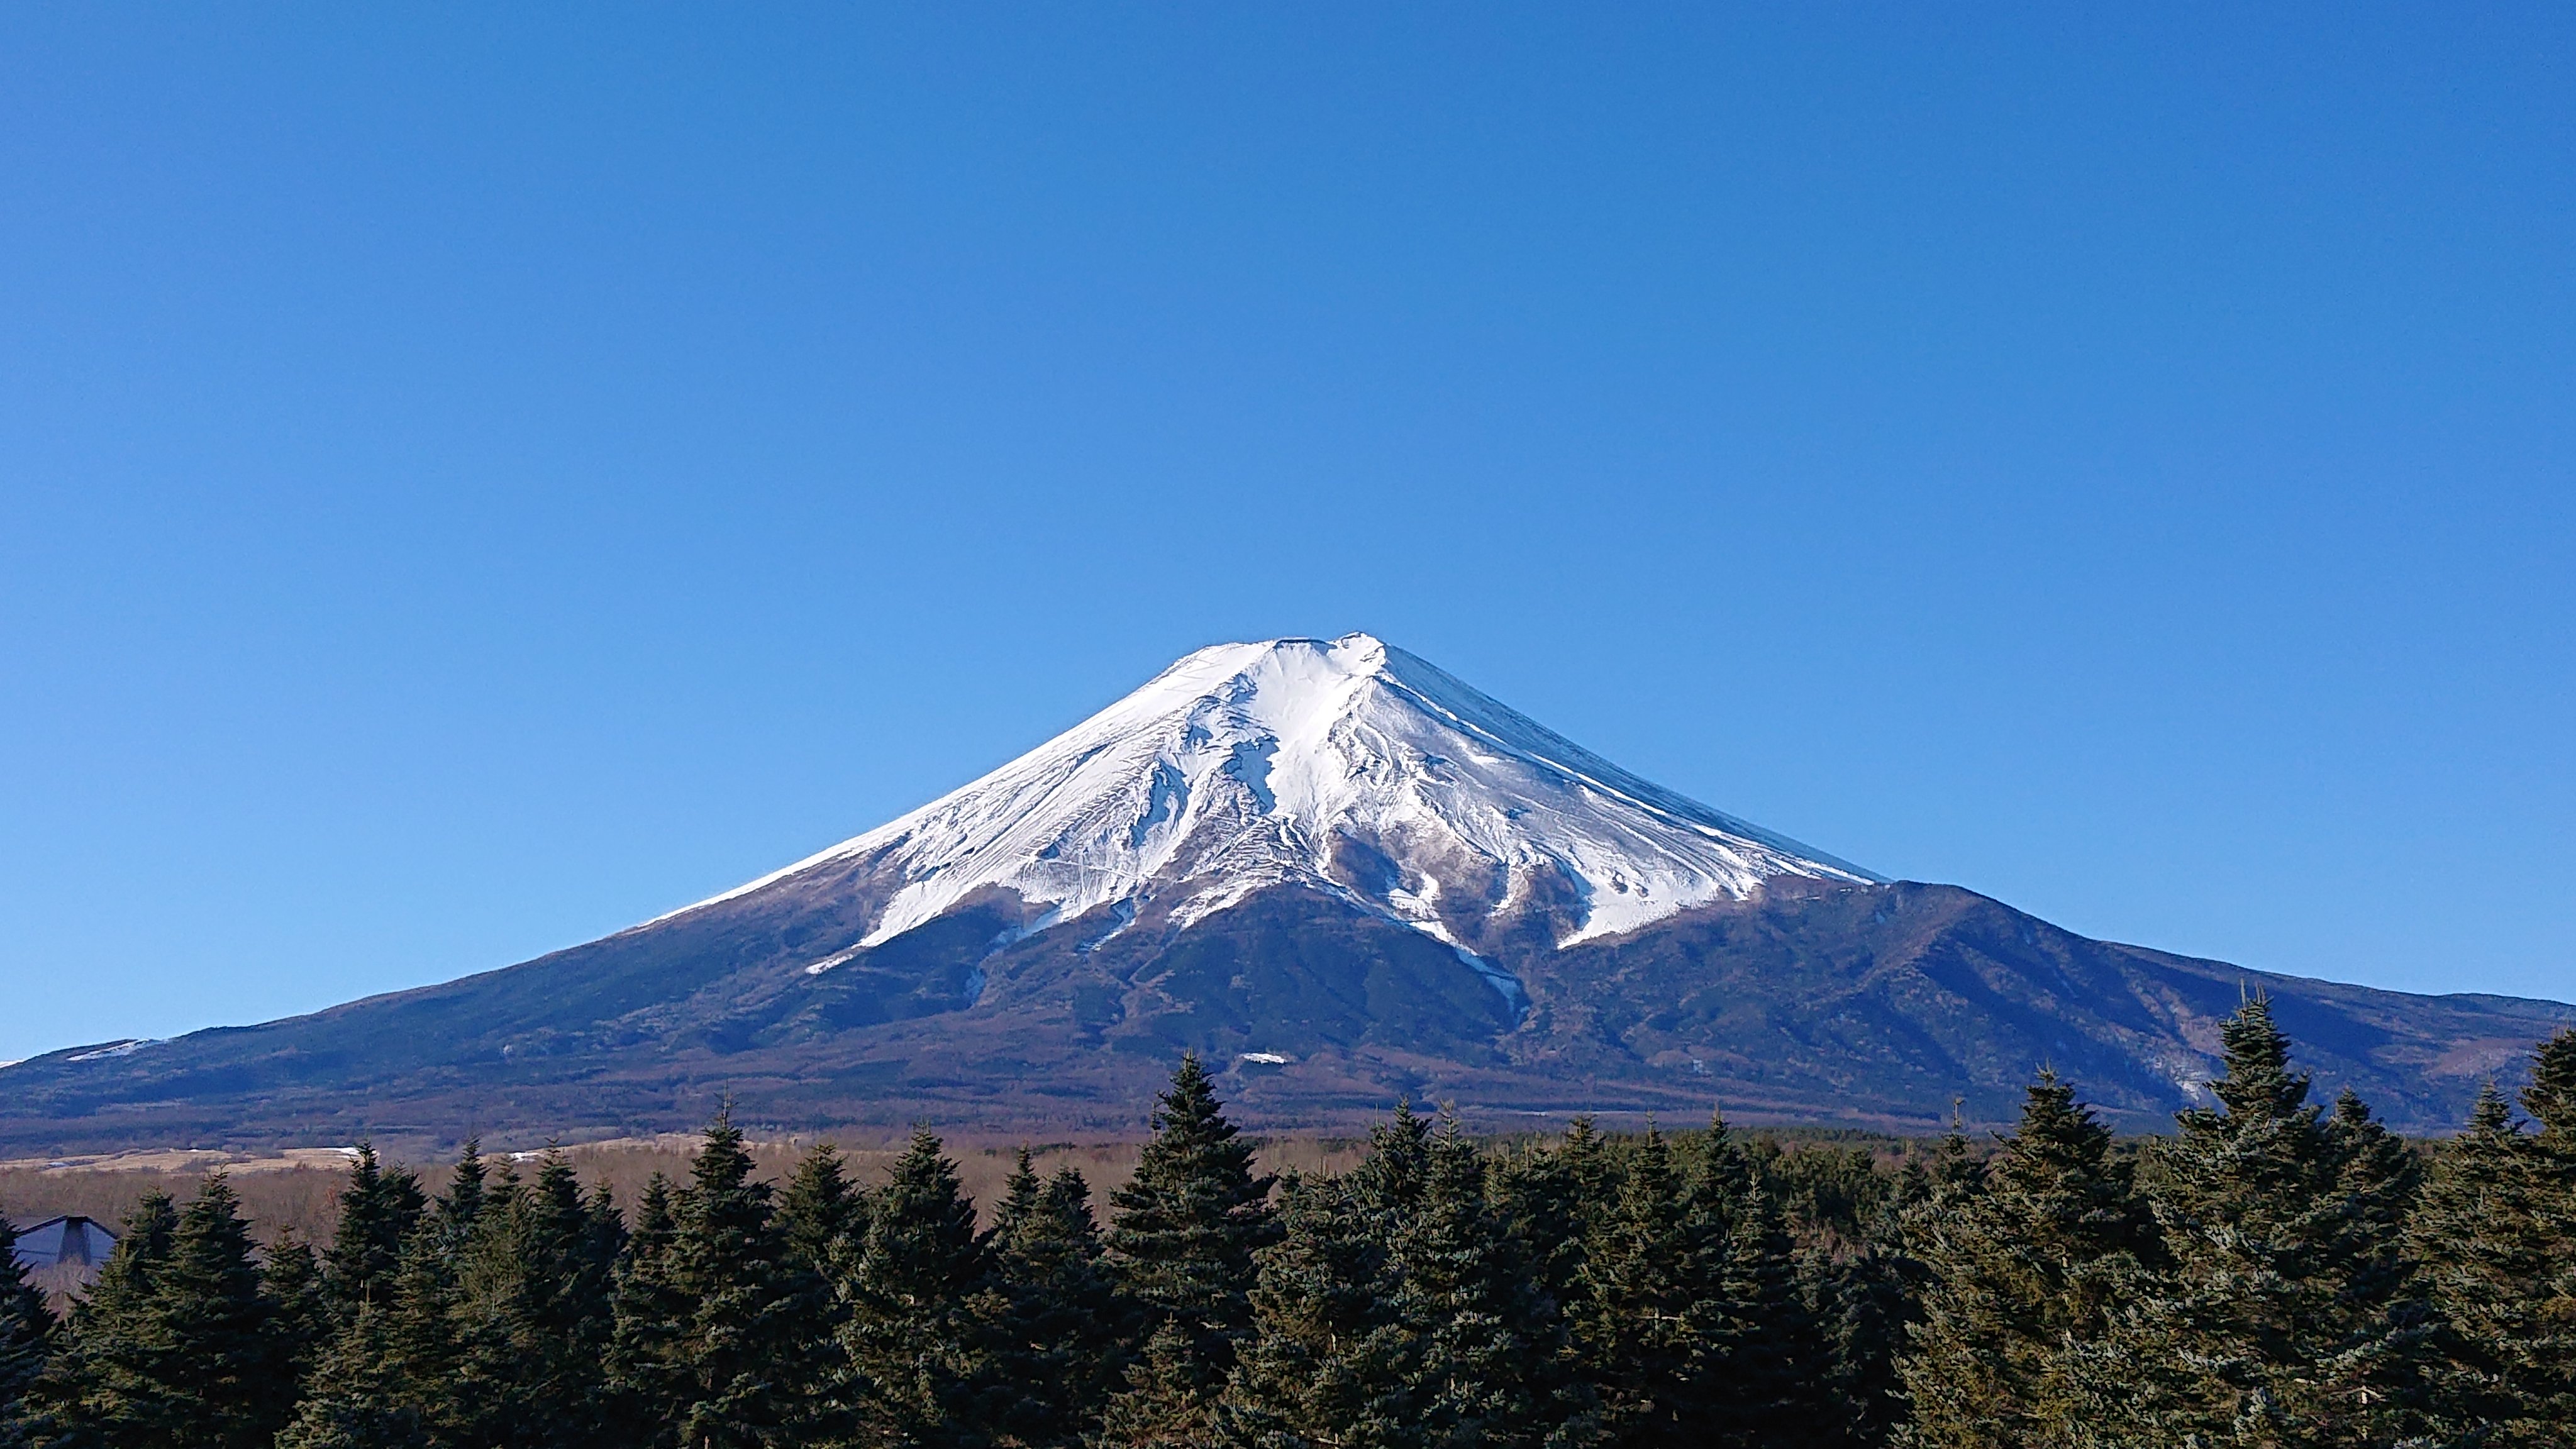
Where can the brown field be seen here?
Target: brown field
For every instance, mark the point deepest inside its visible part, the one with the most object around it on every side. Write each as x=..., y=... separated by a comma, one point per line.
x=299, y=1190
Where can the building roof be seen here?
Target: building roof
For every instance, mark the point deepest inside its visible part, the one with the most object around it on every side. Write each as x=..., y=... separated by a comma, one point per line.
x=64, y=1241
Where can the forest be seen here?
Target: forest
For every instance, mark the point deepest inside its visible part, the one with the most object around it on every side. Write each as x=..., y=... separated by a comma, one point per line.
x=2274, y=1271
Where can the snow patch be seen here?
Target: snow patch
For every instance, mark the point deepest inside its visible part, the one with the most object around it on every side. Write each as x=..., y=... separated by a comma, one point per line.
x=121, y=1049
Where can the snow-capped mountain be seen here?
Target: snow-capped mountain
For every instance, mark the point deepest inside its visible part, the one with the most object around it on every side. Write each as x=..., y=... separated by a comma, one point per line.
x=1346, y=765
x=1336, y=873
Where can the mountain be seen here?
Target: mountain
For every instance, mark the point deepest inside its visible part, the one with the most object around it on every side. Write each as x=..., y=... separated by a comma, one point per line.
x=1333, y=868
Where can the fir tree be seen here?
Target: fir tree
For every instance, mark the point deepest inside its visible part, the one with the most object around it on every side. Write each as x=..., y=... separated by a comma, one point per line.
x=1056, y=1340
x=1168, y=1400
x=722, y=1368
x=1329, y=1363
x=821, y=1217
x=378, y=1209
x=302, y=1326
x=26, y=1337
x=532, y=1318
x=2496, y=1233
x=453, y=1215
x=646, y=1369
x=919, y=1298
x=2285, y=1318
x=1651, y=1294
x=2026, y=1278
x=175, y=1345
x=357, y=1397
x=100, y=1387
x=1181, y=1243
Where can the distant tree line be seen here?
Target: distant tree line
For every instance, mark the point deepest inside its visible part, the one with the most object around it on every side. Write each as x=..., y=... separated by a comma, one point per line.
x=2275, y=1273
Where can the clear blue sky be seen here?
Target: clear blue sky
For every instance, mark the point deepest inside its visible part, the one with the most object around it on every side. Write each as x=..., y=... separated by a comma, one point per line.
x=472, y=481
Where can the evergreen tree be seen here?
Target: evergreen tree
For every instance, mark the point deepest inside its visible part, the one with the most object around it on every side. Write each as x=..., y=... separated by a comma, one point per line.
x=378, y=1209
x=1329, y=1363
x=1552, y=1203
x=175, y=1345
x=1181, y=1243
x=2026, y=1281
x=646, y=1369
x=453, y=1216
x=821, y=1216
x=1056, y=1341
x=26, y=1337
x=822, y=1223
x=1168, y=1400
x=1494, y=1366
x=99, y=1389
x=357, y=1396
x=718, y=1359
x=532, y=1320
x=1651, y=1296
x=919, y=1298
x=302, y=1327
x=2286, y=1317
x=2496, y=1233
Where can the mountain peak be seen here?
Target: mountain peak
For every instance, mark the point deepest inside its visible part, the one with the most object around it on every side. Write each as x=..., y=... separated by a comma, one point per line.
x=1346, y=765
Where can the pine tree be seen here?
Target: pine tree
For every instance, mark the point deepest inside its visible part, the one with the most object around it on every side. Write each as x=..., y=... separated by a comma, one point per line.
x=2025, y=1282
x=175, y=1345
x=1181, y=1244
x=1056, y=1340
x=2496, y=1233
x=719, y=1359
x=920, y=1298
x=378, y=1209
x=302, y=1326
x=532, y=1317
x=100, y=1387
x=1651, y=1292
x=357, y=1397
x=2286, y=1318
x=26, y=1337
x=1329, y=1363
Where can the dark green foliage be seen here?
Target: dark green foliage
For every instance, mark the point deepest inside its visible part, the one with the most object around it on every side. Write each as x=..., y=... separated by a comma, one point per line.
x=292, y=1279
x=358, y=1397
x=713, y=1340
x=1398, y=1308
x=26, y=1337
x=2496, y=1235
x=378, y=1209
x=2276, y=1274
x=1057, y=1339
x=176, y=1344
x=530, y=1318
x=920, y=1297
x=1182, y=1241
x=2286, y=1316
x=2026, y=1278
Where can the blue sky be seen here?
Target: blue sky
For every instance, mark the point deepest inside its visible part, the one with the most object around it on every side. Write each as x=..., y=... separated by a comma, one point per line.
x=474, y=480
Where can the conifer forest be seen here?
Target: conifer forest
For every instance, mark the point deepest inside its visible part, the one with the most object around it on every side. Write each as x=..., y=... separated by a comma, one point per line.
x=2274, y=1271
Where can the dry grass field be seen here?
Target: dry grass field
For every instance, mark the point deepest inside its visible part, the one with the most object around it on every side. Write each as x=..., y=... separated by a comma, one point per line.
x=299, y=1190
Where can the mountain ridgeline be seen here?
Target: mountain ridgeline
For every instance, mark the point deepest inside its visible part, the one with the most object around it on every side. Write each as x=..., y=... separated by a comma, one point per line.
x=1340, y=875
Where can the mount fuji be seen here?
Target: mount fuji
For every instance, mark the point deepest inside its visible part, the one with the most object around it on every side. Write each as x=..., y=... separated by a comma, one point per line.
x=1326, y=865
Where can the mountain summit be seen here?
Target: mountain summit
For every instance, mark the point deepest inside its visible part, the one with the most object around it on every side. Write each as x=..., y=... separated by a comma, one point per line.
x=1338, y=874
x=1346, y=766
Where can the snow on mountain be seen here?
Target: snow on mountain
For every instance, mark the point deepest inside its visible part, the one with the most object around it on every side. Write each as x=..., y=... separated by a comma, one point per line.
x=1347, y=765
